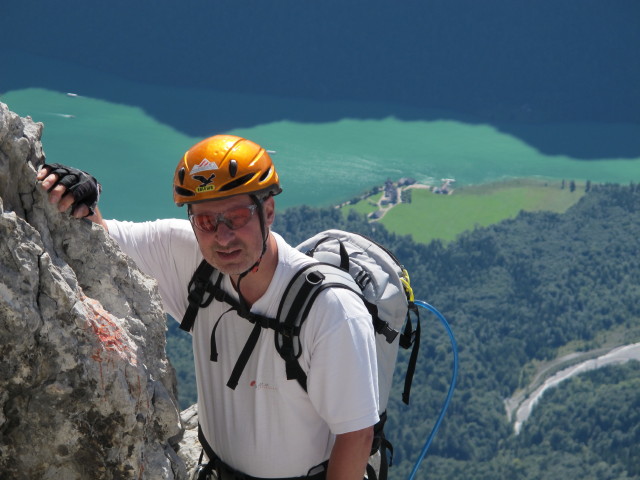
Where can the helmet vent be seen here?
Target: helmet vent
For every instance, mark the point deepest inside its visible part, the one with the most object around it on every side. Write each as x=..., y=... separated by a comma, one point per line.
x=233, y=168
x=265, y=175
x=181, y=175
x=236, y=183
x=184, y=192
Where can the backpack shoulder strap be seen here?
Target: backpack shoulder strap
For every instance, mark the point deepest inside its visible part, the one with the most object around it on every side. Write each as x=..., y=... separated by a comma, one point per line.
x=196, y=290
x=294, y=308
x=203, y=287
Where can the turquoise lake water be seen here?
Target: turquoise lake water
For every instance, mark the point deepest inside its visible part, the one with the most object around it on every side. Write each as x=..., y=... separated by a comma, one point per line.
x=134, y=156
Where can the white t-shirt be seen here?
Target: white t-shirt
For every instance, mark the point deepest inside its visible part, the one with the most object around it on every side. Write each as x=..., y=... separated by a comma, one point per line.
x=268, y=426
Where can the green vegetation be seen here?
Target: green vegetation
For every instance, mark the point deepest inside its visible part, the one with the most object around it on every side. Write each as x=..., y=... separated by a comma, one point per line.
x=364, y=207
x=181, y=355
x=518, y=294
x=605, y=420
x=430, y=216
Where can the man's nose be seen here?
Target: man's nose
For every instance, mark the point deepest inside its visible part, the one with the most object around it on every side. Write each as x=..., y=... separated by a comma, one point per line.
x=224, y=234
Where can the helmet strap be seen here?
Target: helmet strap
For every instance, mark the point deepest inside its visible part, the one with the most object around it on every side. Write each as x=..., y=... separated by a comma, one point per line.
x=265, y=237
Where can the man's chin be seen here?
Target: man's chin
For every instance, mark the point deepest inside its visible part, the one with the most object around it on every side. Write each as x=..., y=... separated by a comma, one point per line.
x=230, y=268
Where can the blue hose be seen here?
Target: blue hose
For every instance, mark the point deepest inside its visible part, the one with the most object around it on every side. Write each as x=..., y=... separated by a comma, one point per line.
x=454, y=377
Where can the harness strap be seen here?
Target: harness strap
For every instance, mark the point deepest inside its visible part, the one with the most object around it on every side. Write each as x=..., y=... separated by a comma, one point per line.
x=207, y=469
x=225, y=472
x=381, y=444
x=407, y=339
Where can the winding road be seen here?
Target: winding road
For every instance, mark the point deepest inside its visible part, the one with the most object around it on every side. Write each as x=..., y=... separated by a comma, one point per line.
x=520, y=405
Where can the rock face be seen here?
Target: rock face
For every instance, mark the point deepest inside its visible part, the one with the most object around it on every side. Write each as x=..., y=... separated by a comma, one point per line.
x=86, y=390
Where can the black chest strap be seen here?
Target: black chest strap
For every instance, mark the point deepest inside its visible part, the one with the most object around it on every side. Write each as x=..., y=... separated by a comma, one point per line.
x=204, y=287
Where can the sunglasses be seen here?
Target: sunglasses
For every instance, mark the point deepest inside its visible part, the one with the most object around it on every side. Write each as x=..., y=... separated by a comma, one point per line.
x=233, y=218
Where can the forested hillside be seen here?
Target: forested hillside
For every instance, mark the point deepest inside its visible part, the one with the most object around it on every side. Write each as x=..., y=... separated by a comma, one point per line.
x=517, y=292
x=513, y=292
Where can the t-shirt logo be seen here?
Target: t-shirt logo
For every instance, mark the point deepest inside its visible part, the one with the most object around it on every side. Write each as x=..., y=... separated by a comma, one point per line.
x=261, y=385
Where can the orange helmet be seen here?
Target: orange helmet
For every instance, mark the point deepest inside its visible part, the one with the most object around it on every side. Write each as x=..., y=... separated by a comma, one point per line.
x=222, y=166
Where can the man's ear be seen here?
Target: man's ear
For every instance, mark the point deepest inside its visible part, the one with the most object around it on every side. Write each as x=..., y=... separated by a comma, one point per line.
x=269, y=209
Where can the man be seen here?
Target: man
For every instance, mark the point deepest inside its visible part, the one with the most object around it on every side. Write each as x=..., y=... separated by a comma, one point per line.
x=266, y=426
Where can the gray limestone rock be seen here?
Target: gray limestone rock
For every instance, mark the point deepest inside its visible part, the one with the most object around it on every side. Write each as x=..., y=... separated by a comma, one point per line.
x=189, y=448
x=86, y=389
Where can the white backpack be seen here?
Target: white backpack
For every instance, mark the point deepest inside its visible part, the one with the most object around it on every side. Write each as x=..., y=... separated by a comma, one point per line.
x=350, y=260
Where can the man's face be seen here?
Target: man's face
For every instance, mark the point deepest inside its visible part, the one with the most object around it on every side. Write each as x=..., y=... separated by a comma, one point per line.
x=232, y=251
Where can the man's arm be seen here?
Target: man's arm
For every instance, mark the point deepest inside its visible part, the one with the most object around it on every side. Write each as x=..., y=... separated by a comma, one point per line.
x=60, y=197
x=350, y=454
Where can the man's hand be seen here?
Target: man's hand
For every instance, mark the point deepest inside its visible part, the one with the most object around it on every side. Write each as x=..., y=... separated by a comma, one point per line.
x=70, y=188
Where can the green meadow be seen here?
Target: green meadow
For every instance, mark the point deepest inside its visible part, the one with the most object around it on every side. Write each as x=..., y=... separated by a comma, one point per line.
x=431, y=216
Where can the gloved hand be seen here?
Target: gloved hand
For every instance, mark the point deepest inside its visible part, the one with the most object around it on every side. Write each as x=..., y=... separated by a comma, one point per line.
x=84, y=188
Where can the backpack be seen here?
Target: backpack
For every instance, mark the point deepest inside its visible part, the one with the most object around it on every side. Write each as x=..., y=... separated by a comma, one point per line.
x=345, y=260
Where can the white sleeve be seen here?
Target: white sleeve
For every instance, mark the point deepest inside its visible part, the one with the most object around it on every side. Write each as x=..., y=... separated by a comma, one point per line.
x=342, y=379
x=165, y=250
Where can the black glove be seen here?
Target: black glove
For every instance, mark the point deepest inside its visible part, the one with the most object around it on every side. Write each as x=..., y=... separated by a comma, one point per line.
x=84, y=187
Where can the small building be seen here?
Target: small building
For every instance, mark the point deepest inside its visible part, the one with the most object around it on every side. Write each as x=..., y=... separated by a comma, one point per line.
x=406, y=181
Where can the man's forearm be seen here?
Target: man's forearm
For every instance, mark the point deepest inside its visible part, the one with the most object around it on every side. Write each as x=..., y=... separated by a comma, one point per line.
x=97, y=218
x=350, y=454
